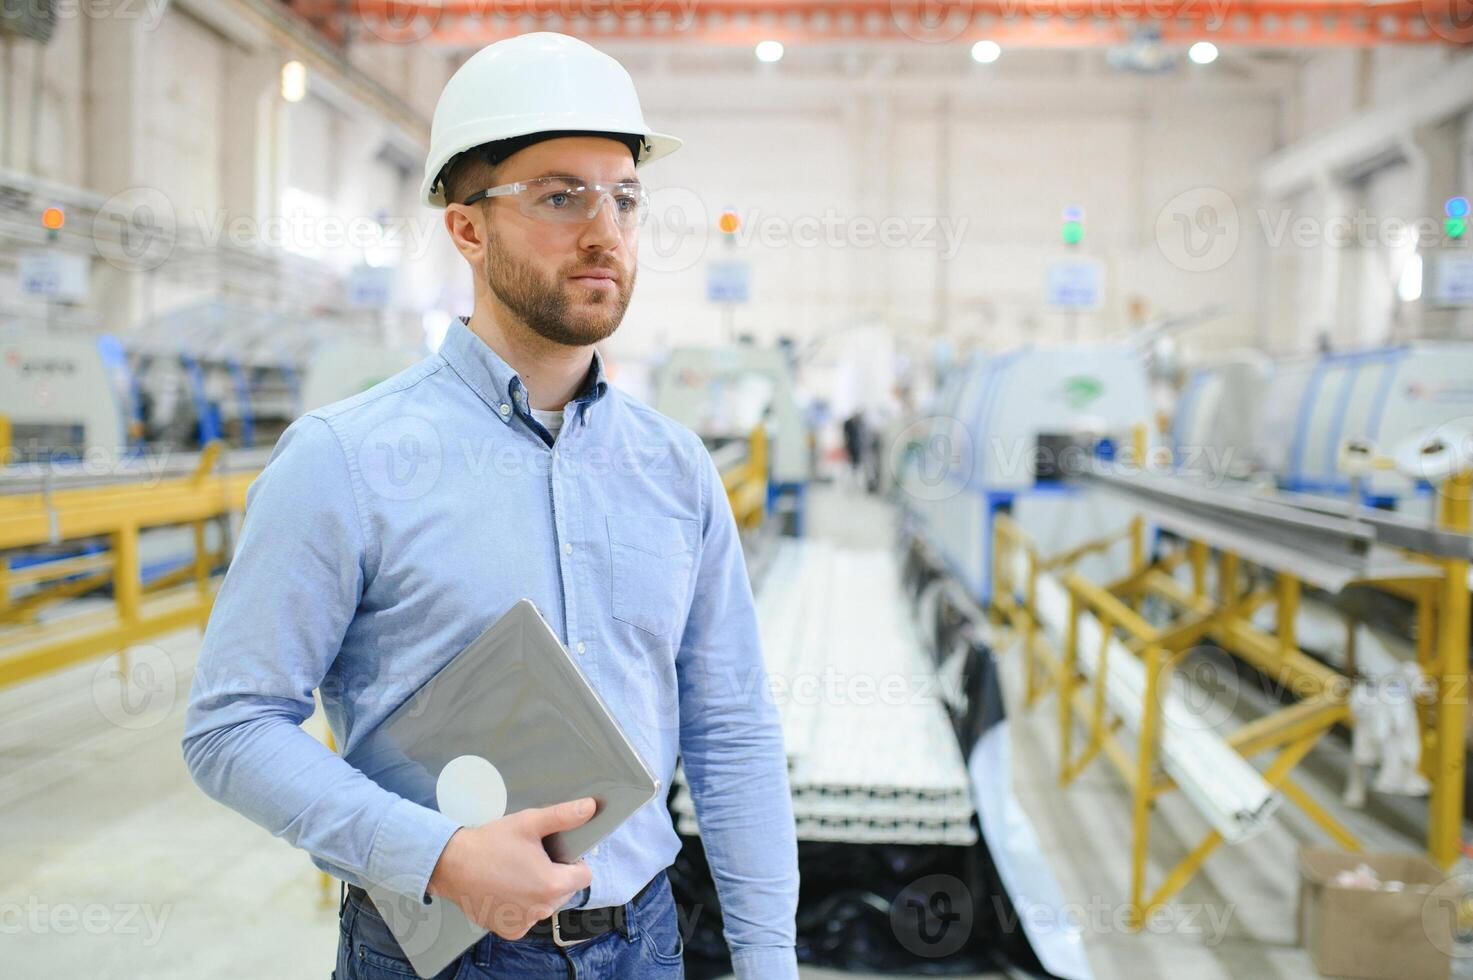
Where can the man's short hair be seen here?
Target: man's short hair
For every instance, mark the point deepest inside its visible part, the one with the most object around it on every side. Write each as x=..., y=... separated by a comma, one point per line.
x=475, y=169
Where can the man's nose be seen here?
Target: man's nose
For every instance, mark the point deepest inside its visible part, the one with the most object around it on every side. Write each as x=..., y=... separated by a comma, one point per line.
x=603, y=225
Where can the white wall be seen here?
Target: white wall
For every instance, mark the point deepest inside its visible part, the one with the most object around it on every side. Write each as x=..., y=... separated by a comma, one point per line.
x=791, y=148
x=1357, y=214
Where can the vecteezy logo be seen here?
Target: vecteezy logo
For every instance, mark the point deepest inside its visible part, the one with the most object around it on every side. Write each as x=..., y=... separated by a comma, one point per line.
x=1210, y=692
x=674, y=236
x=1444, y=452
x=136, y=689
x=400, y=459
x=401, y=21
x=418, y=922
x=1198, y=229
x=1447, y=916
x=932, y=916
x=931, y=458
x=931, y=21
x=135, y=230
x=1451, y=20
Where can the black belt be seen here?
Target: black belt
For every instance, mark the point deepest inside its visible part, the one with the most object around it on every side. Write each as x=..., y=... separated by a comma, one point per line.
x=568, y=927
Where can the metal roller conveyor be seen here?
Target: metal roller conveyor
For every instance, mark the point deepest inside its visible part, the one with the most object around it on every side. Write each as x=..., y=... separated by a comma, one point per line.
x=1392, y=529
x=730, y=455
x=45, y=477
x=1317, y=539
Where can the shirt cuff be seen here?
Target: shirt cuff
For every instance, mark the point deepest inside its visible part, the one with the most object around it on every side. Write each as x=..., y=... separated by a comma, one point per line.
x=406, y=847
x=765, y=963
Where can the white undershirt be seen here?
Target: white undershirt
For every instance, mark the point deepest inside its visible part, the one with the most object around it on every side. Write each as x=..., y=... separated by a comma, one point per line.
x=551, y=421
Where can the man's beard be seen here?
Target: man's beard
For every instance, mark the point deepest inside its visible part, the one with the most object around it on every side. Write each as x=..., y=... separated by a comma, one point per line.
x=544, y=306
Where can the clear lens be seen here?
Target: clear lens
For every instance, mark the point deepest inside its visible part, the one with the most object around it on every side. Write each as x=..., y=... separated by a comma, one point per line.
x=563, y=200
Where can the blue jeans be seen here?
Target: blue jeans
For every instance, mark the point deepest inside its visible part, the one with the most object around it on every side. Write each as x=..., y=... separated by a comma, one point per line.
x=368, y=951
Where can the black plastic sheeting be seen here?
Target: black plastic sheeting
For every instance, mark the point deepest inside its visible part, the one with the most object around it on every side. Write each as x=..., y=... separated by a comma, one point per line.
x=931, y=910
x=883, y=908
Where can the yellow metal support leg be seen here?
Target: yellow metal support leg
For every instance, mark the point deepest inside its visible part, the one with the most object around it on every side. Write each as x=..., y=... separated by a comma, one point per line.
x=127, y=575
x=1288, y=611
x=1030, y=629
x=1137, y=555
x=1444, y=832
x=1197, y=555
x=1141, y=796
x=1067, y=682
x=1227, y=577
x=201, y=558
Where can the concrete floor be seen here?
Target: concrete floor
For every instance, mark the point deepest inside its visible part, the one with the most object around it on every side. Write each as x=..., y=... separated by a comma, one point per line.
x=116, y=866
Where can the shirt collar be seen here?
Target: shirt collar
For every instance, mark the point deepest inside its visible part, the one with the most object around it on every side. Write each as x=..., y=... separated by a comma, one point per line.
x=500, y=387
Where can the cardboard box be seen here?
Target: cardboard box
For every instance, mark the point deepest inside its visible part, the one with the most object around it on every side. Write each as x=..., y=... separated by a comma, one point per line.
x=1375, y=933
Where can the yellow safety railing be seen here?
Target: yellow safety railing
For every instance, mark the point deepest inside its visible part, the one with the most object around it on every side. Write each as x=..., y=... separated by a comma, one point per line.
x=116, y=514
x=746, y=483
x=1225, y=616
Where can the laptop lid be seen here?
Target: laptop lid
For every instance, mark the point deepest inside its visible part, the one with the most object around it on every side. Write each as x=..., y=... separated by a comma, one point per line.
x=510, y=717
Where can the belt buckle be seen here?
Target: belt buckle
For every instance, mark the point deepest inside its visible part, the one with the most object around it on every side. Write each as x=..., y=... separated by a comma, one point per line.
x=557, y=934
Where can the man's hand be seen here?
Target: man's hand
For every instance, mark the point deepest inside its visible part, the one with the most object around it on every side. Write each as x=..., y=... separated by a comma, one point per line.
x=500, y=875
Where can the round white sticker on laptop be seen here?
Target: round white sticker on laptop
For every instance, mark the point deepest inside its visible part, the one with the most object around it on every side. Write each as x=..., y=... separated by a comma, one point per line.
x=470, y=791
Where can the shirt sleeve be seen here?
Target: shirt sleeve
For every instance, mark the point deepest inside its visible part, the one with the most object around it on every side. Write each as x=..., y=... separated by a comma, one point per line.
x=731, y=744
x=293, y=586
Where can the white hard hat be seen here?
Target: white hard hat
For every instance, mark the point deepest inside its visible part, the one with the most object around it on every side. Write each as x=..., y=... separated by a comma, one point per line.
x=535, y=83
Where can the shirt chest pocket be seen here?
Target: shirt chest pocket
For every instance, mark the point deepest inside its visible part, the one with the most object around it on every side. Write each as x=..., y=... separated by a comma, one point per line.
x=651, y=566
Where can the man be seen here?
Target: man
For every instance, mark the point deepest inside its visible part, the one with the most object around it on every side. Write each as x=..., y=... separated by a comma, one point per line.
x=390, y=529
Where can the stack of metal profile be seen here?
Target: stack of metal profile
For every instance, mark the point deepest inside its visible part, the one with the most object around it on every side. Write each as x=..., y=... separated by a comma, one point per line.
x=872, y=757
x=101, y=468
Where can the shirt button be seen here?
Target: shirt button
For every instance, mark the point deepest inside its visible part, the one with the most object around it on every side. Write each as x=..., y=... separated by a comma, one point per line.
x=505, y=409
x=568, y=548
x=580, y=646
x=593, y=851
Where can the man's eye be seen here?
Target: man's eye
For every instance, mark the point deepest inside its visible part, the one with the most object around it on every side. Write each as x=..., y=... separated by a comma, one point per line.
x=558, y=199
x=628, y=202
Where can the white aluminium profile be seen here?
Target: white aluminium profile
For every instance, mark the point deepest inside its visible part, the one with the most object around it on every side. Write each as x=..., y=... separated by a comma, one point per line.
x=1228, y=791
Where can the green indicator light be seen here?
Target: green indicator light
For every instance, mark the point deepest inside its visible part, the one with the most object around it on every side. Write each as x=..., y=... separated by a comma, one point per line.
x=1455, y=227
x=1074, y=231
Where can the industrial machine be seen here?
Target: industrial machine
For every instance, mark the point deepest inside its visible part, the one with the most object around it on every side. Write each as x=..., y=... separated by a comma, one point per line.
x=63, y=395
x=1002, y=437
x=188, y=378
x=1112, y=649
x=1218, y=417
x=118, y=477
x=1382, y=397
x=723, y=393
x=220, y=371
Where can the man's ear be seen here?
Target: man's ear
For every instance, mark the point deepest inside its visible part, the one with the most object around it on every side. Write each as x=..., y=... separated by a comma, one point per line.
x=467, y=229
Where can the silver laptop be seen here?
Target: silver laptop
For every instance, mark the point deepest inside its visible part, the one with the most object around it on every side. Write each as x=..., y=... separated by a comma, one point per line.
x=513, y=715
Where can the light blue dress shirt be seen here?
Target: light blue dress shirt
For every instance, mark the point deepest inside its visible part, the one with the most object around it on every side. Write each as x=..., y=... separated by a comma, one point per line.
x=390, y=529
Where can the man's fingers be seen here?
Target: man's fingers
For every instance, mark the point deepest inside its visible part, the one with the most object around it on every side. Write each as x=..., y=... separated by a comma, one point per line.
x=562, y=816
x=572, y=878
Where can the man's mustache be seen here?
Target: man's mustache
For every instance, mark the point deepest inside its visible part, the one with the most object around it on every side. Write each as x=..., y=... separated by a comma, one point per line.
x=608, y=265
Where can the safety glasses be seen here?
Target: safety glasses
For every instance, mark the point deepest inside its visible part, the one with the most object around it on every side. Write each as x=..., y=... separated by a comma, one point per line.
x=572, y=200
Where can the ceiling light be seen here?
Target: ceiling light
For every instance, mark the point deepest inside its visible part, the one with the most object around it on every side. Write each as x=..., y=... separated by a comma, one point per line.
x=986, y=52
x=293, y=81
x=769, y=51
x=1202, y=53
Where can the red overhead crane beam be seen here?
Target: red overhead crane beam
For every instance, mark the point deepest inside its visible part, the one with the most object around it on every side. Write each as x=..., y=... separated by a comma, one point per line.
x=1012, y=23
